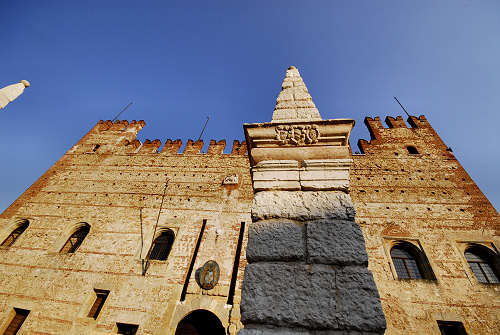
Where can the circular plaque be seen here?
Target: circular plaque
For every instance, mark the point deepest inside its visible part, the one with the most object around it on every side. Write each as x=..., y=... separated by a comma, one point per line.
x=209, y=275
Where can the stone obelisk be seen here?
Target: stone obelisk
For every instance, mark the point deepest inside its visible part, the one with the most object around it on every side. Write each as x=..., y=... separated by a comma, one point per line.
x=307, y=263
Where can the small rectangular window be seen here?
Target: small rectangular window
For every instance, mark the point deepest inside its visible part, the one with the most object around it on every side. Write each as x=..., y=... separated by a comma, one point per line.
x=17, y=321
x=126, y=329
x=451, y=328
x=101, y=296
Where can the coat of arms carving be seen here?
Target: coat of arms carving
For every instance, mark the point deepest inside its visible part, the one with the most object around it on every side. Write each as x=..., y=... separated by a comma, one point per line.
x=297, y=134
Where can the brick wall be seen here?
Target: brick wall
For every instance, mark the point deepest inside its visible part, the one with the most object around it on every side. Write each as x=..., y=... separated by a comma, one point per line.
x=429, y=200
x=105, y=180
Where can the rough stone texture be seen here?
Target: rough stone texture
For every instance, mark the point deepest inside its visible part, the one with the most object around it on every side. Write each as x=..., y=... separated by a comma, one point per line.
x=309, y=290
x=317, y=297
x=276, y=240
x=430, y=199
x=302, y=206
x=106, y=186
x=264, y=330
x=337, y=242
x=249, y=330
x=358, y=304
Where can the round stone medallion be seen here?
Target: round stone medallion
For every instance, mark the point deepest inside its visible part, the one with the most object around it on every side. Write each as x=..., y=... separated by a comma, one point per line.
x=209, y=275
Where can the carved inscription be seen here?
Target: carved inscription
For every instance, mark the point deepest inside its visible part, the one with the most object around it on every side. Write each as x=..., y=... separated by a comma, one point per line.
x=231, y=179
x=297, y=134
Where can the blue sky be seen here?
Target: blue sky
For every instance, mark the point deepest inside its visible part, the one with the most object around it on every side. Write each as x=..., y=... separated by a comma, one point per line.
x=182, y=61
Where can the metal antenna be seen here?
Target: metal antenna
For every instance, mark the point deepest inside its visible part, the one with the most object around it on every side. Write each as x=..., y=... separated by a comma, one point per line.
x=123, y=110
x=146, y=264
x=402, y=106
x=199, y=138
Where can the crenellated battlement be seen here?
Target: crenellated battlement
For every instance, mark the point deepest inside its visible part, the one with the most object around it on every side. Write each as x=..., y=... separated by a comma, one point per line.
x=397, y=122
x=375, y=125
x=399, y=134
x=120, y=125
x=120, y=137
x=216, y=148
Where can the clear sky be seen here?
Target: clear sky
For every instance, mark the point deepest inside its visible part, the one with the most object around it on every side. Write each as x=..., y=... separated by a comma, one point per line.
x=182, y=61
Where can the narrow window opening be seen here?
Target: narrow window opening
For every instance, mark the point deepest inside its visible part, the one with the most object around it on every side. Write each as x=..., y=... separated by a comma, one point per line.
x=412, y=150
x=126, y=329
x=96, y=147
x=451, y=328
x=101, y=296
x=17, y=321
x=75, y=240
x=13, y=236
x=162, y=245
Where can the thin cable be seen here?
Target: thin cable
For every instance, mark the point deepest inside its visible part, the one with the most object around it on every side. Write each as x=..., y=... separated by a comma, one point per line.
x=123, y=110
x=159, y=212
x=206, y=122
x=144, y=269
x=402, y=106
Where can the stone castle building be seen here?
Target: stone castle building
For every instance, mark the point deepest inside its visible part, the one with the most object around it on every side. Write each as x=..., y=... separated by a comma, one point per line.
x=290, y=233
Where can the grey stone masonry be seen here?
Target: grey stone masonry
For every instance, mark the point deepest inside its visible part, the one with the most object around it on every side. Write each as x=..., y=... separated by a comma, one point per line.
x=276, y=240
x=338, y=242
x=307, y=263
x=307, y=268
x=302, y=206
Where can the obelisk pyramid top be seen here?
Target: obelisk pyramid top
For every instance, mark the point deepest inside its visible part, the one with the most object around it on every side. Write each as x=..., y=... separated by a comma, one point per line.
x=294, y=104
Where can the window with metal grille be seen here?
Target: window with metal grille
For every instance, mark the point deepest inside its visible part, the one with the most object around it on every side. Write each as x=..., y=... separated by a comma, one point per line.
x=21, y=227
x=410, y=262
x=75, y=240
x=161, y=245
x=16, y=322
x=484, y=263
x=451, y=328
x=101, y=296
x=127, y=329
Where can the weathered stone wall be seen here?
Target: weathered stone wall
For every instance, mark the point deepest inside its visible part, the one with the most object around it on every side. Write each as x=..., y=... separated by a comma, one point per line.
x=306, y=269
x=429, y=200
x=104, y=180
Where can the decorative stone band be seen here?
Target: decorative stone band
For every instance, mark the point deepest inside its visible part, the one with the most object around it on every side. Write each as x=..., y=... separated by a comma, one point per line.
x=324, y=139
x=306, y=175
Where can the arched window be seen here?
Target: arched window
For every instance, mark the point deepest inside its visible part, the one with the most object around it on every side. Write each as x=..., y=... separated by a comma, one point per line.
x=20, y=228
x=410, y=262
x=412, y=150
x=161, y=245
x=484, y=263
x=76, y=239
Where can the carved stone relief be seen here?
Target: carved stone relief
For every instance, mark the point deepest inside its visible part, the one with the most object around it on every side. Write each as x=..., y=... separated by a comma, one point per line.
x=297, y=134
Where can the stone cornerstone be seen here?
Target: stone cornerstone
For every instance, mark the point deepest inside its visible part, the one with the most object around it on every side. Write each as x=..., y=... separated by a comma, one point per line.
x=307, y=263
